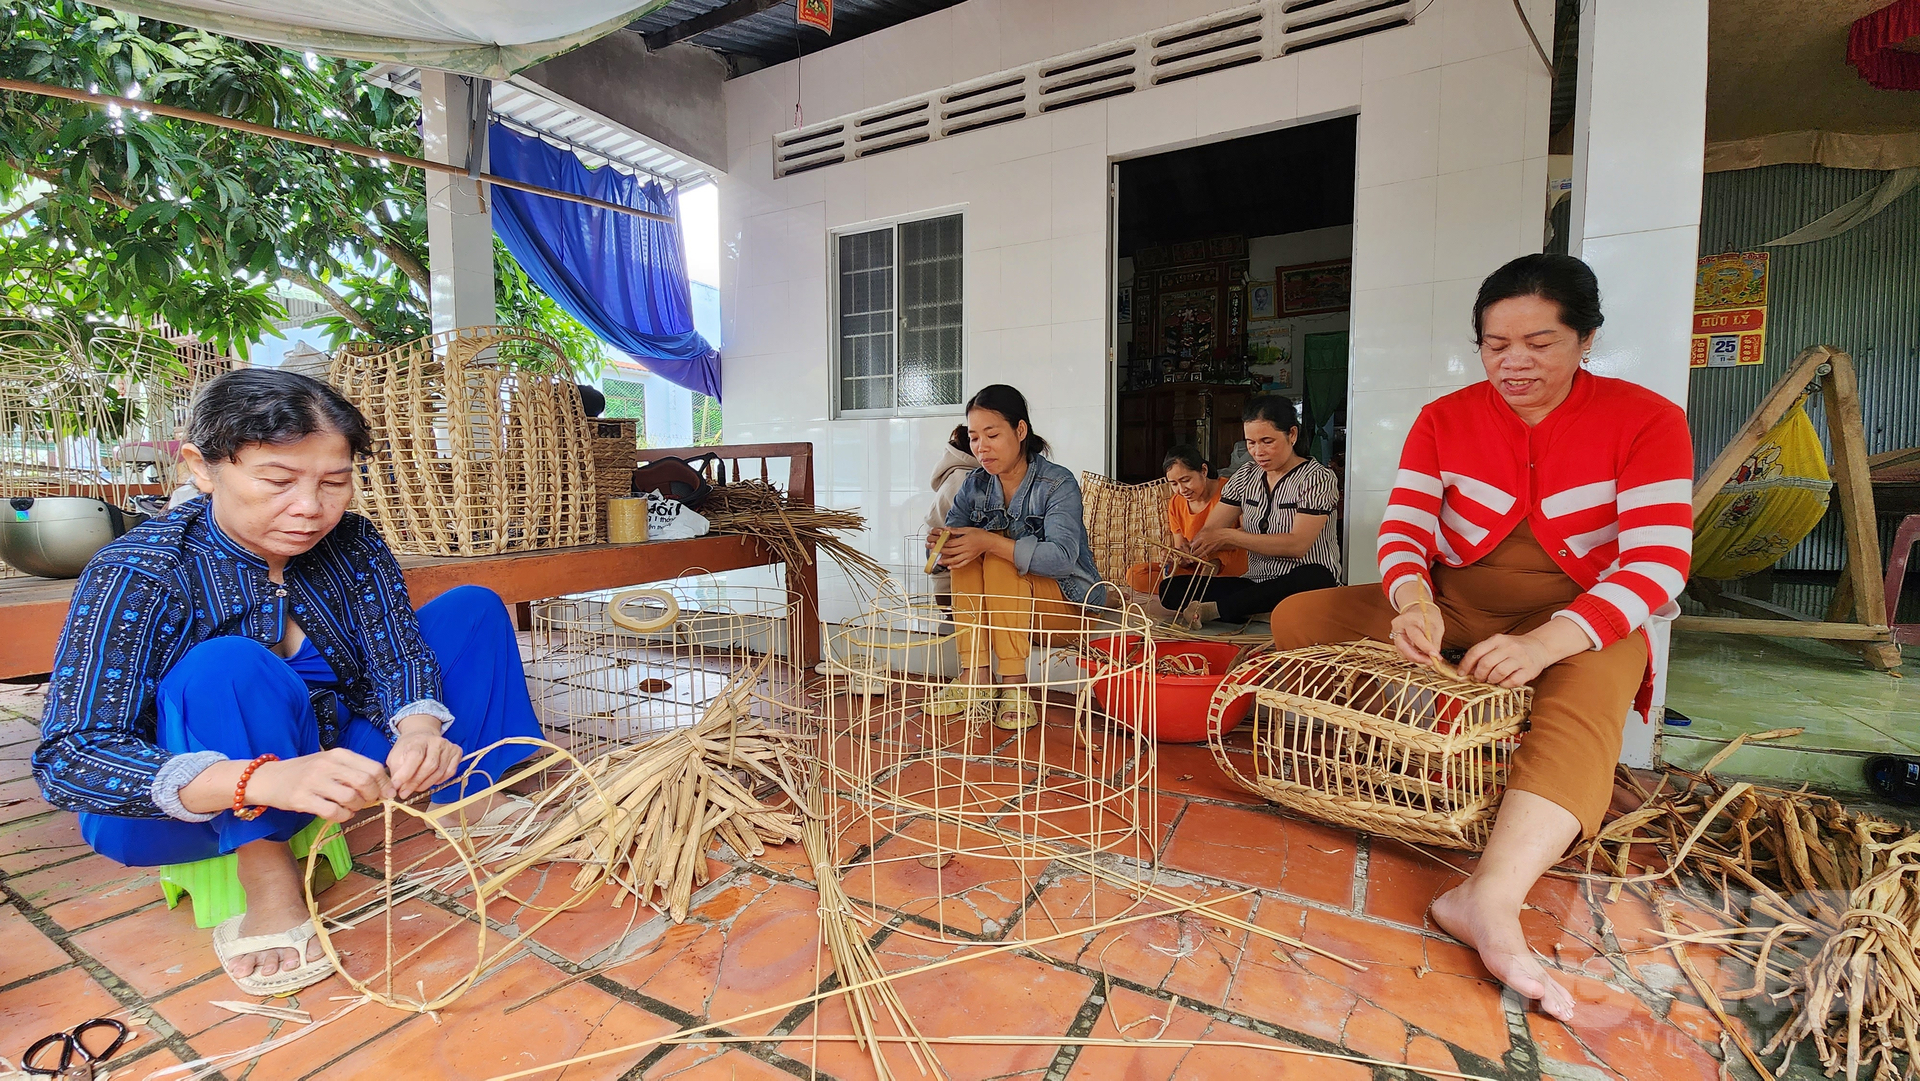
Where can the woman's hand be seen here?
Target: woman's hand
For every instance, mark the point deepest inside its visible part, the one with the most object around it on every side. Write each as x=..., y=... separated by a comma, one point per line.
x=421, y=757
x=1515, y=660
x=1418, y=631
x=332, y=784
x=965, y=545
x=1213, y=538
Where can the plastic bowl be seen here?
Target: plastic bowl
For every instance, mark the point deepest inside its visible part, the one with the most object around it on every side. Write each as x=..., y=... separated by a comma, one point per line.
x=1180, y=702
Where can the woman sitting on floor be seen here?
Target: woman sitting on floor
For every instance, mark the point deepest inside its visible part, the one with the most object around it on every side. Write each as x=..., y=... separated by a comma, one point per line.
x=1017, y=549
x=1196, y=491
x=1275, y=509
x=1538, y=519
x=249, y=661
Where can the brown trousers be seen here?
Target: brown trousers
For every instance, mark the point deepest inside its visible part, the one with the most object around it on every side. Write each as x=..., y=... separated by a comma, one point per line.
x=993, y=602
x=1579, y=705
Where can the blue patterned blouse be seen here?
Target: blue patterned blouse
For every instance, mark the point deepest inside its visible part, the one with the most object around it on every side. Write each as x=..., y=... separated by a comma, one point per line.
x=174, y=582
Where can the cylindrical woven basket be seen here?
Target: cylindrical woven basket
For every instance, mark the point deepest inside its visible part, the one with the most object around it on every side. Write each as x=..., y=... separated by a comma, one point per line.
x=1356, y=735
x=1126, y=523
x=480, y=443
x=616, y=450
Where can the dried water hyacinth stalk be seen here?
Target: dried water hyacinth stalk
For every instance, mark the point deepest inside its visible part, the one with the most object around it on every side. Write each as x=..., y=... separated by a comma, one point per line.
x=665, y=802
x=1826, y=903
x=756, y=508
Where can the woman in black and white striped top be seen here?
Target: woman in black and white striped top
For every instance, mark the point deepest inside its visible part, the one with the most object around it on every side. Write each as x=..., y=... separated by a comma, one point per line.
x=1277, y=508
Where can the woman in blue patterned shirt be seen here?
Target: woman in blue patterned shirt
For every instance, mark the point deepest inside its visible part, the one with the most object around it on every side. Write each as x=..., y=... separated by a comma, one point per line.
x=254, y=648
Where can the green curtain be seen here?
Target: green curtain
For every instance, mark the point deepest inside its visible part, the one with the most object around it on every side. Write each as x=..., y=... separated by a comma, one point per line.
x=1326, y=381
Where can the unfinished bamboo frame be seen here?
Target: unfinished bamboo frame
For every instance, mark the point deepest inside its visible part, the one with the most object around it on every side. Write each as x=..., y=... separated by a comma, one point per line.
x=608, y=670
x=480, y=443
x=1359, y=736
x=1861, y=599
x=908, y=788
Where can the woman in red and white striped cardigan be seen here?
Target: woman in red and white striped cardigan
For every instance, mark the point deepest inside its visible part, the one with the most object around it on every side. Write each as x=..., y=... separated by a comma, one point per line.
x=1538, y=520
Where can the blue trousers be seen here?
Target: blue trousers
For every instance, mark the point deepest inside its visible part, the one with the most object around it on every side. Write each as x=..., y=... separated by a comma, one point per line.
x=235, y=696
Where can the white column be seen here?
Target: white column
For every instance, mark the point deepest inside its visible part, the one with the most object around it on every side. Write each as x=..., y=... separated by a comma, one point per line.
x=1640, y=117
x=459, y=229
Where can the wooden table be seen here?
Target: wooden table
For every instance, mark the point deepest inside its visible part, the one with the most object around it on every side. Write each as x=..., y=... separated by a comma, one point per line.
x=33, y=610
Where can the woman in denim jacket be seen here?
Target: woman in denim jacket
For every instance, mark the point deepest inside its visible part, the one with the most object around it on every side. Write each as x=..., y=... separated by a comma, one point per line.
x=1017, y=549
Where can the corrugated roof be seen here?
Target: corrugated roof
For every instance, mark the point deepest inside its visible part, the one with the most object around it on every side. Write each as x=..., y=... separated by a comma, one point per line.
x=775, y=35
x=534, y=109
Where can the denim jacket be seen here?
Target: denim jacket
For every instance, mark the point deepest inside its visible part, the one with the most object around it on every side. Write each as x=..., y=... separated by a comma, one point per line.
x=1045, y=520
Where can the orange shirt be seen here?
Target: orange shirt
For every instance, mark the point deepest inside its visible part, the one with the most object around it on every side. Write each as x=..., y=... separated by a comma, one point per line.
x=1186, y=523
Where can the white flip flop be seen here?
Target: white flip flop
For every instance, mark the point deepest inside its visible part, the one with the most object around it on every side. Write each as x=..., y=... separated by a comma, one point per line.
x=229, y=943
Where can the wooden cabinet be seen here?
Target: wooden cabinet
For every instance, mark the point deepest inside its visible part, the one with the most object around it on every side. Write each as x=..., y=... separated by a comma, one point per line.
x=1154, y=420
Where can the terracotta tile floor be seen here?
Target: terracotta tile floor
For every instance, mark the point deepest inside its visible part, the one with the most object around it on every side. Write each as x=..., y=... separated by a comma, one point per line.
x=80, y=937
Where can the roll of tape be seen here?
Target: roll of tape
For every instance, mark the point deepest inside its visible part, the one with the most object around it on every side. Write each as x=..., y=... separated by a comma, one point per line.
x=670, y=610
x=627, y=520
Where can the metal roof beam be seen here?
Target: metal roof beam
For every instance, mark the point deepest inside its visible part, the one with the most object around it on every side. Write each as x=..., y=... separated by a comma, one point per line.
x=700, y=24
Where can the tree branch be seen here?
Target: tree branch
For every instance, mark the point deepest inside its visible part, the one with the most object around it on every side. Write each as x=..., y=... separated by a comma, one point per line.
x=412, y=267
x=334, y=300
x=59, y=181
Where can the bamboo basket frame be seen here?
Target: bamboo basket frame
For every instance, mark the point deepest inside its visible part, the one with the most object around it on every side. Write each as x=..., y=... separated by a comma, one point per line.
x=1356, y=735
x=906, y=787
x=477, y=449
x=596, y=681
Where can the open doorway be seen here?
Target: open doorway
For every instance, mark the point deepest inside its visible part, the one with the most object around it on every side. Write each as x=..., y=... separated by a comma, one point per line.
x=1233, y=278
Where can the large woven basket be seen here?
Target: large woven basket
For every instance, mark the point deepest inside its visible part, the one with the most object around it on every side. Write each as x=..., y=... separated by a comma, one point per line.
x=480, y=442
x=1125, y=522
x=1356, y=735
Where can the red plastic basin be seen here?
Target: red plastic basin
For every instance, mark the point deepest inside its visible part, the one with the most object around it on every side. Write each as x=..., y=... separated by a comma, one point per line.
x=1179, y=702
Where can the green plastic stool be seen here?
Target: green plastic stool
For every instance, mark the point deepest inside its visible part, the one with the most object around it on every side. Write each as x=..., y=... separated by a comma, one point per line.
x=214, y=884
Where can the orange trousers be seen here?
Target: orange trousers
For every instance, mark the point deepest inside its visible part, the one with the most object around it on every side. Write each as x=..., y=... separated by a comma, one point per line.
x=1580, y=705
x=994, y=604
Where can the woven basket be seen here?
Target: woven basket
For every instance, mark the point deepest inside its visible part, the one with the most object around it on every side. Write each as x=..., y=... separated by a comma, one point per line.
x=616, y=450
x=480, y=443
x=1358, y=736
x=1125, y=522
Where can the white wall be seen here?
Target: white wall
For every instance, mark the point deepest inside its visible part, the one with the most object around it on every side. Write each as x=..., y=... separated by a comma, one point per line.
x=1451, y=183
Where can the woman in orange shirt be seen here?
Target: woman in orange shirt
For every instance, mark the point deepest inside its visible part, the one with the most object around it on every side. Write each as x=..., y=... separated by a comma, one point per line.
x=1196, y=491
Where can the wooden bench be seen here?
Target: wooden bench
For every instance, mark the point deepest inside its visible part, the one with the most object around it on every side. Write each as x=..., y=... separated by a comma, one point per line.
x=33, y=610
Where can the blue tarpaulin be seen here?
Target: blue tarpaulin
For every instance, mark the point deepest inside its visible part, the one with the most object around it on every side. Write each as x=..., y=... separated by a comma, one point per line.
x=624, y=278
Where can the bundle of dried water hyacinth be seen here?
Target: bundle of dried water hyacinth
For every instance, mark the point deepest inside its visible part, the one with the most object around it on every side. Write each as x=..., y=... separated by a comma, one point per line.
x=644, y=816
x=758, y=509
x=1826, y=904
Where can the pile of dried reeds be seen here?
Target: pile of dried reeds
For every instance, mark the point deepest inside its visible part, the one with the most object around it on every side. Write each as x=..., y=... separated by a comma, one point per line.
x=644, y=816
x=1825, y=903
x=758, y=509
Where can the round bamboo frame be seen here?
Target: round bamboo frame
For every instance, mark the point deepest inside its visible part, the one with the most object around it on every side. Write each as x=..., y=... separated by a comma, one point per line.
x=481, y=445
x=1358, y=736
x=963, y=799
x=607, y=670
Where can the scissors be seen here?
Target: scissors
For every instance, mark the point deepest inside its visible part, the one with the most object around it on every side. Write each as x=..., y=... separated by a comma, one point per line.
x=76, y=1059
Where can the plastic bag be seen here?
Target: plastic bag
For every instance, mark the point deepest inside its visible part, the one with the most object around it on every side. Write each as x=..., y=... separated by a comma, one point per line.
x=670, y=519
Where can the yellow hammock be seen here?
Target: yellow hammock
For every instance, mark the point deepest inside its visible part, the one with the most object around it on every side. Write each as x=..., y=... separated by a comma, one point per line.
x=1773, y=501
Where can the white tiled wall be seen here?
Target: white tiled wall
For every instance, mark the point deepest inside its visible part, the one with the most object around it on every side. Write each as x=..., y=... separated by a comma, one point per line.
x=1451, y=183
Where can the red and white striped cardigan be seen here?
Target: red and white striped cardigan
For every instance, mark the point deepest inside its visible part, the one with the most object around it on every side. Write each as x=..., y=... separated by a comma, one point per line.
x=1607, y=479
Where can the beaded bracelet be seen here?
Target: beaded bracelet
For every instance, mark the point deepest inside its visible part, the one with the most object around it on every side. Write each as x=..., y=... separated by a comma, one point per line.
x=240, y=808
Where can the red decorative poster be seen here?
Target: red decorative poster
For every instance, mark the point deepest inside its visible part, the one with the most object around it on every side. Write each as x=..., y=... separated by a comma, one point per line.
x=816, y=13
x=1730, y=310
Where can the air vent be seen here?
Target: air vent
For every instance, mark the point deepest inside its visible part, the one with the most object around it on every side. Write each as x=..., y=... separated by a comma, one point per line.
x=1227, y=39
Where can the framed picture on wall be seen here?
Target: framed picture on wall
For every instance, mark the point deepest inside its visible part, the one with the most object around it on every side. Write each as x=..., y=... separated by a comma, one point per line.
x=1123, y=308
x=1311, y=288
x=1262, y=301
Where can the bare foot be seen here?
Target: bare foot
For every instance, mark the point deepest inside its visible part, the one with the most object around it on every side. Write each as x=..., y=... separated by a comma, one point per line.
x=276, y=902
x=1495, y=932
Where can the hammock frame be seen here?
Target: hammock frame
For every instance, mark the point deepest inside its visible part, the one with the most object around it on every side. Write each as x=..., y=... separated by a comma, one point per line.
x=1857, y=620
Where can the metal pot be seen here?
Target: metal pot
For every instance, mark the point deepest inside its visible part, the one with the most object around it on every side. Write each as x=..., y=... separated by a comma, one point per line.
x=55, y=536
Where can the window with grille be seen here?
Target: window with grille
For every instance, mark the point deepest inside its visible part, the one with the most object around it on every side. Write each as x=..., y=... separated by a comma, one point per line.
x=627, y=400
x=898, y=297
